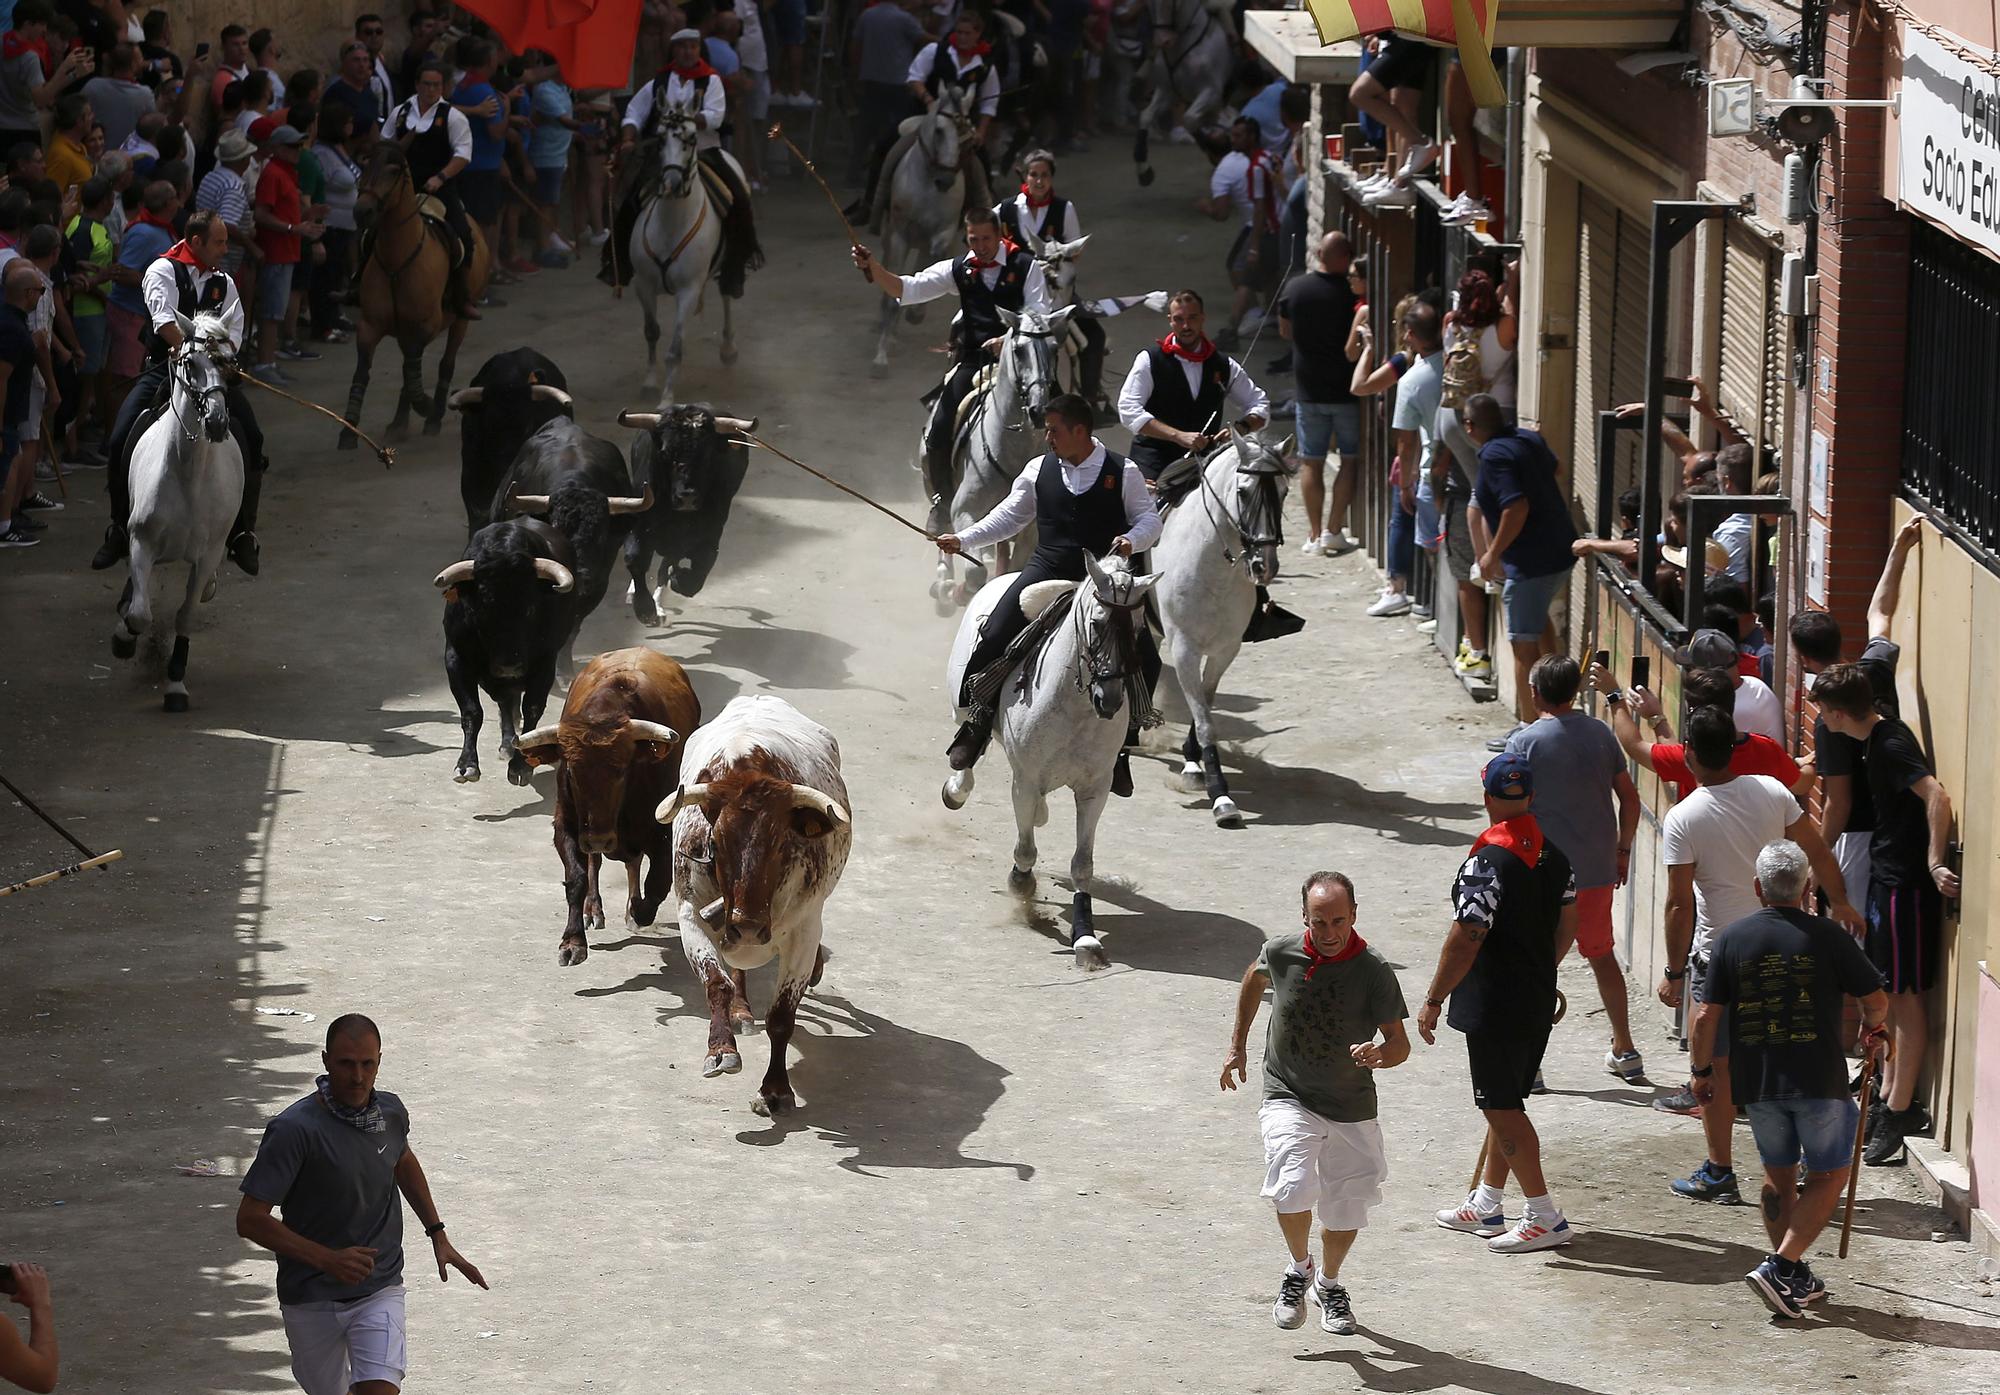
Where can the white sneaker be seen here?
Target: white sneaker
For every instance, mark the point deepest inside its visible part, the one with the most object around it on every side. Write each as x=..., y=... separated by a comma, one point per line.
x=559, y=244
x=1336, y=1312
x=1312, y=547
x=598, y=238
x=1420, y=158
x=1465, y=212
x=1423, y=612
x=1373, y=182
x=1532, y=1233
x=1290, y=1309
x=1630, y=1066
x=1391, y=603
x=1337, y=543
x=1465, y=1216
x=1393, y=196
x=804, y=100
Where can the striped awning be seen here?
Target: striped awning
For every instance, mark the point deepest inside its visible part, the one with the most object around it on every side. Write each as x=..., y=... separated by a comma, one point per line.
x=1464, y=24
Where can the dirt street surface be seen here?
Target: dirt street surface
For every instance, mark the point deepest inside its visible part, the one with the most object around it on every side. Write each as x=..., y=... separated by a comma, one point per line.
x=1007, y=1174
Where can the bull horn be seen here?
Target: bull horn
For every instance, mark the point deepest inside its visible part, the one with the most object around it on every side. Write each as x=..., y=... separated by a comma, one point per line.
x=542, y=392
x=725, y=425
x=709, y=912
x=645, y=421
x=626, y=504
x=556, y=574
x=806, y=797
x=527, y=503
x=466, y=397
x=540, y=736
x=456, y=574
x=652, y=731
x=679, y=800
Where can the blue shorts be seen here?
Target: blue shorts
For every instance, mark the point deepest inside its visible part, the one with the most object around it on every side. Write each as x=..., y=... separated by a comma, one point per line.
x=1822, y=1131
x=788, y=22
x=274, y=289
x=1430, y=523
x=1527, y=601
x=1324, y=423
x=94, y=333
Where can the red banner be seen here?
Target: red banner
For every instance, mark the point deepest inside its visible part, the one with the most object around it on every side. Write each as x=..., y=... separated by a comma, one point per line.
x=592, y=40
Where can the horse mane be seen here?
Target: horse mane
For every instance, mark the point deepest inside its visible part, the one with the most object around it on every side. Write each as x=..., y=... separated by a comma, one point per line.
x=209, y=326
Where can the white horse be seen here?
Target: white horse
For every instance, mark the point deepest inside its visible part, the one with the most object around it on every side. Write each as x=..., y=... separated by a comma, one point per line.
x=1217, y=546
x=926, y=192
x=676, y=246
x=1062, y=717
x=1189, y=67
x=187, y=484
x=1003, y=432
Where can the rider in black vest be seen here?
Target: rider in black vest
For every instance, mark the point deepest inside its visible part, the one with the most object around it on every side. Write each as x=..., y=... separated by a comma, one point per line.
x=958, y=71
x=1081, y=499
x=991, y=277
x=1059, y=223
x=1170, y=418
x=436, y=155
x=199, y=286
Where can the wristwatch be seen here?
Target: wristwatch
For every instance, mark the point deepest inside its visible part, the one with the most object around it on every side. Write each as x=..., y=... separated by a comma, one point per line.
x=1702, y=1072
x=1614, y=696
x=1675, y=976
x=1434, y=1002
x=435, y=1228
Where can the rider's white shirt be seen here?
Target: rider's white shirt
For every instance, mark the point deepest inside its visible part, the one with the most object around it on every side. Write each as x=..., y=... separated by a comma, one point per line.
x=1245, y=396
x=935, y=280
x=1036, y=220
x=988, y=99
x=705, y=97
x=1017, y=510
x=163, y=295
x=406, y=120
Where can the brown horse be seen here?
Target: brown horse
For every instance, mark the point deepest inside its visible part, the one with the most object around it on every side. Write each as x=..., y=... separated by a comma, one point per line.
x=404, y=292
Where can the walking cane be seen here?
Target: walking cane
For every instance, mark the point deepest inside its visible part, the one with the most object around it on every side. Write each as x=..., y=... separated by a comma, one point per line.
x=1854, y=1163
x=90, y=861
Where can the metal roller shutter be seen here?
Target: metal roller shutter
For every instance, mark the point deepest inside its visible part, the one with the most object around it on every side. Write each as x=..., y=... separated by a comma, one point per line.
x=1751, y=386
x=1613, y=266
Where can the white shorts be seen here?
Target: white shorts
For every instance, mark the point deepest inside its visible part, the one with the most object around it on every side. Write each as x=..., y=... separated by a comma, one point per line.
x=1851, y=851
x=338, y=1345
x=1315, y=1164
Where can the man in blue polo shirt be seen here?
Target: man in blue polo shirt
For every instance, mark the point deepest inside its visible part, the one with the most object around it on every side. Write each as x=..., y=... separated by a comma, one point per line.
x=1530, y=530
x=480, y=185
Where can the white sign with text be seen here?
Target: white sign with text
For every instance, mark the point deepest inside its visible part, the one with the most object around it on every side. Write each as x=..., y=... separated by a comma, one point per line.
x=1949, y=166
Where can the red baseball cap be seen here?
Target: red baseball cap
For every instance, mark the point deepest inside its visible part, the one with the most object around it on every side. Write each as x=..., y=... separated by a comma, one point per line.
x=263, y=127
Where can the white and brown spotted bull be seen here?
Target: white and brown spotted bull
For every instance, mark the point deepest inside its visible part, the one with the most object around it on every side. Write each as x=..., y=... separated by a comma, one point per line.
x=761, y=834
x=617, y=754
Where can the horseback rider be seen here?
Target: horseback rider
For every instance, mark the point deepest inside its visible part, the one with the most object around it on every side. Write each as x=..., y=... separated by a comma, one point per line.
x=1081, y=498
x=437, y=143
x=1173, y=398
x=187, y=278
x=690, y=86
x=992, y=276
x=1054, y=218
x=961, y=76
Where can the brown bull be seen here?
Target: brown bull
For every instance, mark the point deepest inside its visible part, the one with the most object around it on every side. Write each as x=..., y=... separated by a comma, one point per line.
x=617, y=754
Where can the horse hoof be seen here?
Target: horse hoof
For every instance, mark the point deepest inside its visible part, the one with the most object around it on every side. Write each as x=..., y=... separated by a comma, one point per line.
x=1227, y=815
x=208, y=591
x=957, y=789
x=1190, y=780
x=1019, y=882
x=1146, y=177
x=176, y=702
x=571, y=953
x=465, y=775
x=347, y=441
x=1089, y=953
x=124, y=646
x=721, y=1063
x=729, y=354
x=879, y=368
x=771, y=1106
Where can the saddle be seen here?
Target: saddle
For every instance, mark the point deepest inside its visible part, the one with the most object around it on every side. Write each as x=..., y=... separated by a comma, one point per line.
x=431, y=209
x=982, y=387
x=984, y=687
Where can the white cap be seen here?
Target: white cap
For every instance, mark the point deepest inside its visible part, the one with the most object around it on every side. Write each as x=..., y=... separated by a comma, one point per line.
x=679, y=34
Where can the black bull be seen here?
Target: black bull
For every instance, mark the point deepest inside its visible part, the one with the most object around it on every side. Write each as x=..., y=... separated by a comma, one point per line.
x=687, y=459
x=512, y=396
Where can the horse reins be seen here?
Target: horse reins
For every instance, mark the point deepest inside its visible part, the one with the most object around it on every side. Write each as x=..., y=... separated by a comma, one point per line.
x=1125, y=638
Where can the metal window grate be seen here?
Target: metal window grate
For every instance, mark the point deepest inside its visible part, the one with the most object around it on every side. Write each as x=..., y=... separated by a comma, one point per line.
x=1951, y=412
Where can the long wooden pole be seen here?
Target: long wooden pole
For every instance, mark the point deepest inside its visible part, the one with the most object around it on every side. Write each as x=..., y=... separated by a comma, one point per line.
x=759, y=441
x=853, y=237
x=88, y=864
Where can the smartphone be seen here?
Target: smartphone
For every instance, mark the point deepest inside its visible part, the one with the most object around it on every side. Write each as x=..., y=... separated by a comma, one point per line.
x=201, y=49
x=1603, y=659
x=1642, y=670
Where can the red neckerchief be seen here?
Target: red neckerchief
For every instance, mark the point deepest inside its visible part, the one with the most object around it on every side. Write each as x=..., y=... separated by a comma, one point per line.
x=966, y=55
x=184, y=254
x=699, y=71
x=1355, y=944
x=1198, y=354
x=13, y=45
x=146, y=215
x=1033, y=202
x=979, y=263
x=1520, y=835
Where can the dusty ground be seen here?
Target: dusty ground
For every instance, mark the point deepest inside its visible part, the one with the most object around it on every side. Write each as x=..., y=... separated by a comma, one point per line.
x=1007, y=1175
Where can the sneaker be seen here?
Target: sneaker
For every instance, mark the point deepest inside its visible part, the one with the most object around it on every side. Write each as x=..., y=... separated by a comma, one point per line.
x=804, y=100
x=1473, y=665
x=1626, y=1065
x=598, y=238
x=1708, y=1183
x=45, y=471
x=1464, y=648
x=39, y=502
x=1532, y=1233
x=1465, y=210
x=1465, y=1216
x=1424, y=613
x=1807, y=1287
x=1681, y=1101
x=297, y=352
x=1420, y=158
x=1312, y=547
x=1392, y=196
x=114, y=549
x=1338, y=543
x=558, y=243
x=1774, y=1288
x=18, y=537
x=1885, y=1145
x=1391, y=603
x=1336, y=1313
x=1290, y=1309
x=1428, y=625
x=1496, y=744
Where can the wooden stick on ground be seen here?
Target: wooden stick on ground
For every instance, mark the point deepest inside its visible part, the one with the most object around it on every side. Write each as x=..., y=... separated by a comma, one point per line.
x=101, y=860
x=1854, y=1163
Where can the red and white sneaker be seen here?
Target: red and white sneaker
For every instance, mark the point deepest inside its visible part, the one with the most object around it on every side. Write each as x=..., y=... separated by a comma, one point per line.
x=1532, y=1233
x=1465, y=1216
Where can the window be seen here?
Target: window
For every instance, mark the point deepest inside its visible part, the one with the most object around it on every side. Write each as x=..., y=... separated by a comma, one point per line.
x=1951, y=413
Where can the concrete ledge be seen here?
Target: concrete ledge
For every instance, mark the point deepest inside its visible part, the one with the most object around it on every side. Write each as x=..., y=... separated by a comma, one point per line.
x=1946, y=1181
x=1289, y=41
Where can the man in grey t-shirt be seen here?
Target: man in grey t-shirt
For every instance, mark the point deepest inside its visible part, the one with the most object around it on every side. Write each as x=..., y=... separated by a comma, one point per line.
x=1331, y=997
x=335, y=1162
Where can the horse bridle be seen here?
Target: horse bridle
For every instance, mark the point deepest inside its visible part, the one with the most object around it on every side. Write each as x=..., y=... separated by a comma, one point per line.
x=1025, y=421
x=1123, y=665
x=930, y=156
x=178, y=372
x=1265, y=525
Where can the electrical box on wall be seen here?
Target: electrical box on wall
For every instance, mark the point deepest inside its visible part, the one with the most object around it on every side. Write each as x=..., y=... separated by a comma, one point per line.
x=1798, y=290
x=1798, y=192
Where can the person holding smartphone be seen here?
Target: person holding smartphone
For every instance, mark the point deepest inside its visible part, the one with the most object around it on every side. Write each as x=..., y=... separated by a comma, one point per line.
x=31, y=1364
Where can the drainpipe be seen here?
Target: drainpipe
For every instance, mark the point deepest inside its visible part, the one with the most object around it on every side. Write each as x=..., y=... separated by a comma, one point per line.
x=1517, y=98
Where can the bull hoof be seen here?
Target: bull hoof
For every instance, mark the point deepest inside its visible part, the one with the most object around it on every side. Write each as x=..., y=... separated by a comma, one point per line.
x=466, y=775
x=745, y=1026
x=1019, y=882
x=1227, y=815
x=519, y=772
x=124, y=646
x=176, y=702
x=721, y=1063
x=642, y=914
x=771, y=1106
x=571, y=953
x=347, y=441
x=1089, y=953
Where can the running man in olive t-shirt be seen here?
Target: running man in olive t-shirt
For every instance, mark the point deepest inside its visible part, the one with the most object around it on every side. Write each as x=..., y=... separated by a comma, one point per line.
x=1331, y=997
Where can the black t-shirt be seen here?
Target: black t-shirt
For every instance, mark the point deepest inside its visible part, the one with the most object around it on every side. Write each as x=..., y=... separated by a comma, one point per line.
x=17, y=351
x=1785, y=972
x=1321, y=309
x=1842, y=755
x=1899, y=851
x=1512, y=984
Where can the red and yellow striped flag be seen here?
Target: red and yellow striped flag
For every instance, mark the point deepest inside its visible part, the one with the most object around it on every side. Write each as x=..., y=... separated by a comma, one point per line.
x=1466, y=23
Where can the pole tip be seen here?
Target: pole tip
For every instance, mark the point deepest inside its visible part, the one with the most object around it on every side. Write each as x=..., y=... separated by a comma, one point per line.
x=777, y=130
x=387, y=454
